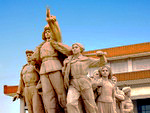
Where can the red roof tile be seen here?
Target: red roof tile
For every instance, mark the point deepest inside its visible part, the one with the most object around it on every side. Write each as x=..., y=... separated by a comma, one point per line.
x=123, y=50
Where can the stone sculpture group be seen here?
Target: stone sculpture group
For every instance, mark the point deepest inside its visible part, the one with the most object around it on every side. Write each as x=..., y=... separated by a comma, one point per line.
x=55, y=80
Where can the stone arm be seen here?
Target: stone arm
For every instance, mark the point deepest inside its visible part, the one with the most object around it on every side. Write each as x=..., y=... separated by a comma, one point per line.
x=54, y=27
x=36, y=54
x=20, y=90
x=64, y=49
x=21, y=86
x=113, y=93
x=96, y=85
x=119, y=95
x=64, y=66
x=66, y=71
x=98, y=62
x=128, y=111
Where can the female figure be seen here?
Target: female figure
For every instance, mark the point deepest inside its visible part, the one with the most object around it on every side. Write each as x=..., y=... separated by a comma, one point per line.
x=75, y=72
x=105, y=91
x=127, y=105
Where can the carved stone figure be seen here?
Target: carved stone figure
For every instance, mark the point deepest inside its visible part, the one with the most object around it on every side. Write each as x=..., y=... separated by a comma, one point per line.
x=95, y=75
x=75, y=72
x=93, y=79
x=105, y=91
x=127, y=105
x=47, y=53
x=29, y=78
x=119, y=96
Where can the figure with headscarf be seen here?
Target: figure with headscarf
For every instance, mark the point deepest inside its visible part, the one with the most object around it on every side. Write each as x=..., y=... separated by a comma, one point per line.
x=76, y=81
x=105, y=90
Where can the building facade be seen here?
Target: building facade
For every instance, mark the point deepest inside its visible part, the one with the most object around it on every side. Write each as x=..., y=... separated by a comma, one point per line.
x=130, y=64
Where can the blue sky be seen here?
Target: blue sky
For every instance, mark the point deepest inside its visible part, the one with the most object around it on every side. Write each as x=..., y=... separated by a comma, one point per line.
x=97, y=24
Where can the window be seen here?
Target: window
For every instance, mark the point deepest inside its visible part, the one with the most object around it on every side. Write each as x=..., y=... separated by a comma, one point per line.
x=143, y=105
x=119, y=66
x=142, y=63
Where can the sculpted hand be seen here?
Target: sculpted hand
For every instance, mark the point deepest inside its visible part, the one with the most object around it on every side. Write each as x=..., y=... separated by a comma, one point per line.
x=47, y=12
x=102, y=56
x=51, y=19
x=39, y=85
x=100, y=53
x=16, y=97
x=99, y=90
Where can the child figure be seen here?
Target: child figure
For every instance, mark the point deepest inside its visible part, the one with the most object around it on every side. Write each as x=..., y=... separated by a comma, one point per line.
x=127, y=105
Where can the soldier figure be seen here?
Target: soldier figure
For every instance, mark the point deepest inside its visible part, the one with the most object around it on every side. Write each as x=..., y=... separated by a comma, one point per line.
x=47, y=53
x=29, y=78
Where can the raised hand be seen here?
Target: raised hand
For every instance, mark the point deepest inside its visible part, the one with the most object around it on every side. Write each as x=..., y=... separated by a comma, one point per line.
x=100, y=53
x=47, y=12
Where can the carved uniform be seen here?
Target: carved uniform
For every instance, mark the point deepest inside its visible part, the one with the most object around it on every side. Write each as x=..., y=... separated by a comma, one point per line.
x=105, y=99
x=79, y=83
x=50, y=74
x=50, y=61
x=28, y=81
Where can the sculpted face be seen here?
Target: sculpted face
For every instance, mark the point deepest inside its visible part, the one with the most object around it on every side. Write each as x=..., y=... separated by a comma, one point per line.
x=128, y=93
x=76, y=49
x=114, y=81
x=105, y=72
x=96, y=75
x=28, y=55
x=48, y=34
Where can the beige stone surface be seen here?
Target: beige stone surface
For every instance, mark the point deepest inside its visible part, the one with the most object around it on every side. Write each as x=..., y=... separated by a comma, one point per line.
x=29, y=78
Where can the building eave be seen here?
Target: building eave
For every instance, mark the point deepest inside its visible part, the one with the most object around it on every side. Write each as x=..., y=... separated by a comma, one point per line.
x=122, y=52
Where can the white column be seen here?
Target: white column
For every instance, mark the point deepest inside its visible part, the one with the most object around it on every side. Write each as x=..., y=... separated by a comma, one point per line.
x=22, y=106
x=129, y=65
